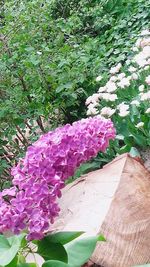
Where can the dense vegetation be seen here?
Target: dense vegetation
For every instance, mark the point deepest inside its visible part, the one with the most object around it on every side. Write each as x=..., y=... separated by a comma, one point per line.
x=50, y=54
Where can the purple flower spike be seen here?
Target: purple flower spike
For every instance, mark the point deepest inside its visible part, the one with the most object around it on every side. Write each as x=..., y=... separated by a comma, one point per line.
x=31, y=203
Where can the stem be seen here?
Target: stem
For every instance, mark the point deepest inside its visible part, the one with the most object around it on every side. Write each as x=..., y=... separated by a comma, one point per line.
x=29, y=126
x=25, y=88
x=23, y=136
x=21, y=140
x=39, y=122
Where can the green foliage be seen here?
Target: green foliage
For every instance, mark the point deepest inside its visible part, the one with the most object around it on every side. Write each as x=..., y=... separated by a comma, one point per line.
x=125, y=99
x=63, y=237
x=50, y=54
x=52, y=251
x=53, y=263
x=59, y=249
x=79, y=251
x=9, y=248
x=26, y=265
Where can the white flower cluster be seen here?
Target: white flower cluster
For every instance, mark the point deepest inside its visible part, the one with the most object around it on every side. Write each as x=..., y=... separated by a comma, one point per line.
x=111, y=97
x=123, y=109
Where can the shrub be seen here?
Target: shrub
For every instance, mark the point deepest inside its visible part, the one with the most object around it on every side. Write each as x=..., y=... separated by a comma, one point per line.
x=50, y=53
x=125, y=97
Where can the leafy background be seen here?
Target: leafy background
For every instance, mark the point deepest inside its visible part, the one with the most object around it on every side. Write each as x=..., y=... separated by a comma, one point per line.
x=50, y=54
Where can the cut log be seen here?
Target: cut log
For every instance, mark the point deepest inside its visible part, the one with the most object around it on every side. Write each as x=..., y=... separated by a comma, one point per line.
x=113, y=201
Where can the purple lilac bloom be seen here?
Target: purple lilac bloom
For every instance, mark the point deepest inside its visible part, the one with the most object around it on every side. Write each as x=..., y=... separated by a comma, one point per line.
x=31, y=204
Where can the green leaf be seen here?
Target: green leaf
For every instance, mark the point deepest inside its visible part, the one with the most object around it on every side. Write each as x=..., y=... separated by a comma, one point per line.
x=79, y=251
x=21, y=259
x=20, y=238
x=27, y=265
x=54, y=264
x=140, y=140
x=13, y=263
x=7, y=252
x=101, y=238
x=9, y=248
x=63, y=237
x=52, y=251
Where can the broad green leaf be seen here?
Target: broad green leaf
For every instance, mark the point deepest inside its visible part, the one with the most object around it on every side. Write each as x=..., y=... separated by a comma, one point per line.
x=9, y=248
x=63, y=237
x=52, y=251
x=55, y=264
x=13, y=263
x=7, y=252
x=20, y=239
x=79, y=251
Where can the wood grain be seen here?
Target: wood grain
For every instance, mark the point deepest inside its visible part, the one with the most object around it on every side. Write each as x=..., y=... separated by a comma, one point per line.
x=114, y=201
x=127, y=224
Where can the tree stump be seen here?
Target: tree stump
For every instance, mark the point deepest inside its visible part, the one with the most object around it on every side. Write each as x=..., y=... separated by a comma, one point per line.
x=113, y=201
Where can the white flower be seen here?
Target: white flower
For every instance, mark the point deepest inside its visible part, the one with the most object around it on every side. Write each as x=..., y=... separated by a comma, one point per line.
x=134, y=76
x=140, y=125
x=111, y=87
x=115, y=69
x=104, y=96
x=145, y=32
x=95, y=97
x=135, y=49
x=113, y=79
x=123, y=110
x=138, y=42
x=108, y=97
x=39, y=53
x=141, y=88
x=146, y=51
x=136, y=103
x=88, y=100
x=132, y=69
x=102, y=89
x=145, y=42
x=112, y=97
x=92, y=99
x=140, y=59
x=123, y=113
x=145, y=96
x=121, y=76
x=146, y=67
x=92, y=110
x=123, y=106
x=99, y=78
x=148, y=110
x=106, y=111
x=128, y=61
x=147, y=80
x=124, y=82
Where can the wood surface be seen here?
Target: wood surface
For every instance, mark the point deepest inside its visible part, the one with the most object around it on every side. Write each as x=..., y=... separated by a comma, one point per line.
x=127, y=224
x=114, y=201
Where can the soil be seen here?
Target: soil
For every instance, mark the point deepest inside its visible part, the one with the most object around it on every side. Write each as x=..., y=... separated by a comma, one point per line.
x=145, y=155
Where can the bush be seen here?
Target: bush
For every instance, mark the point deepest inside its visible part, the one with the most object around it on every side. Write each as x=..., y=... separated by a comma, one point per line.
x=51, y=52
x=125, y=97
